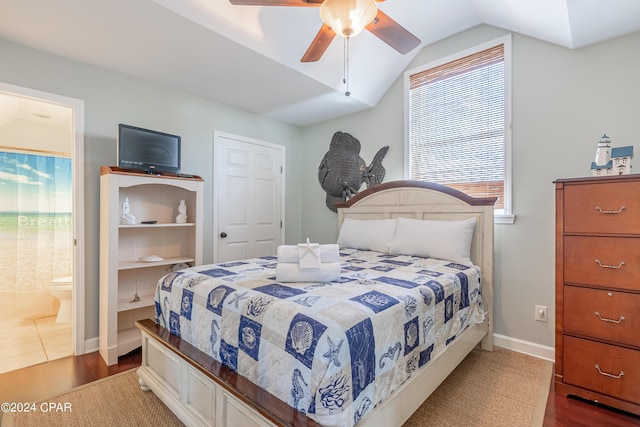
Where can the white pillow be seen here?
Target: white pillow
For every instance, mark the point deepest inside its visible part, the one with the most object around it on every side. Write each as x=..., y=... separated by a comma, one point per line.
x=372, y=235
x=448, y=240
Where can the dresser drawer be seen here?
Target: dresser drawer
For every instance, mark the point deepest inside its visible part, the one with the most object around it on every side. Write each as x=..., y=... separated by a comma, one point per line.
x=602, y=208
x=602, y=368
x=605, y=261
x=607, y=315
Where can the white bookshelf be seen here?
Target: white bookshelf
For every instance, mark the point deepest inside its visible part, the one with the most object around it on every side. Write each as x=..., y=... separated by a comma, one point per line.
x=123, y=272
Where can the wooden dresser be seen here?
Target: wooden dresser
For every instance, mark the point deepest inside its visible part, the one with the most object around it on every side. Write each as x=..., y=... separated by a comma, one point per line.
x=598, y=290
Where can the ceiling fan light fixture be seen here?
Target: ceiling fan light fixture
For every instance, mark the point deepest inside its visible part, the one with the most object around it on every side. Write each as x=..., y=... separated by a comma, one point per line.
x=348, y=17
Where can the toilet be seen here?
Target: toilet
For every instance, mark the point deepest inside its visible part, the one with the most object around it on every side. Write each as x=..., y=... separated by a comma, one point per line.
x=61, y=288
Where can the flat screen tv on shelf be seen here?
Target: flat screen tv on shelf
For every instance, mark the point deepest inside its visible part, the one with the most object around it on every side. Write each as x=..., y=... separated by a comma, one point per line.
x=147, y=150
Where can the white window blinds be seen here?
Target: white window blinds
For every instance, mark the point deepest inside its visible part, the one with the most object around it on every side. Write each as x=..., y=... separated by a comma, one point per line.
x=457, y=124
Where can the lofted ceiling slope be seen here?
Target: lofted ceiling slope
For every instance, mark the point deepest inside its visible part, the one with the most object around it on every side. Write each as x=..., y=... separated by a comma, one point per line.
x=249, y=56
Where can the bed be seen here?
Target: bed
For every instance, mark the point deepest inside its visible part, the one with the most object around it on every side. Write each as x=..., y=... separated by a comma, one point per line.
x=365, y=350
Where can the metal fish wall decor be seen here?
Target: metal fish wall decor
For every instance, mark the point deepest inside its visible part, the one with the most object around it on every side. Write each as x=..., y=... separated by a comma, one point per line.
x=342, y=171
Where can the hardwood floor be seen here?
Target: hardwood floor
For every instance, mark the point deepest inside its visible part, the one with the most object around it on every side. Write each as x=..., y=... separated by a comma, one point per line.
x=574, y=412
x=35, y=383
x=44, y=380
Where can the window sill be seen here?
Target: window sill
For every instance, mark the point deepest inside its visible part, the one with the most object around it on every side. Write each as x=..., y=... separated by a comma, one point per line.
x=504, y=219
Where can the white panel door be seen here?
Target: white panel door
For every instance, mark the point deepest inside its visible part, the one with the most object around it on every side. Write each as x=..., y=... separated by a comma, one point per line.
x=248, y=197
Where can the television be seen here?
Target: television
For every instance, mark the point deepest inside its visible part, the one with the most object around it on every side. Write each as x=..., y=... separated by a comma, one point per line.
x=147, y=150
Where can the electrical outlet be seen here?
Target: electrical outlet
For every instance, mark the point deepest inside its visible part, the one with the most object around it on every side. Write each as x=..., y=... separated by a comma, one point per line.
x=541, y=313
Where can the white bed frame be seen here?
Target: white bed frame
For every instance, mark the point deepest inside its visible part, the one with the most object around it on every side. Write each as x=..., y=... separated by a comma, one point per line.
x=200, y=391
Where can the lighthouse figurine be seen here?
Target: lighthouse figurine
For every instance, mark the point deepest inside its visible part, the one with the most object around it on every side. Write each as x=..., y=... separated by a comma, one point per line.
x=603, y=151
x=611, y=161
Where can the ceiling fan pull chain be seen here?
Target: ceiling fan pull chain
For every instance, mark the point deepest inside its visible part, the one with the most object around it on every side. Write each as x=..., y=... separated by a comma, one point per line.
x=345, y=79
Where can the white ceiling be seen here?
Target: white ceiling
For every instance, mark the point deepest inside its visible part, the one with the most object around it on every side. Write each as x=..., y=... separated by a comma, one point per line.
x=15, y=107
x=248, y=56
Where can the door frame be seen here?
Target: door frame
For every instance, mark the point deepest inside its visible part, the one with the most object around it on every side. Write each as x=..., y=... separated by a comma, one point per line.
x=77, y=215
x=216, y=182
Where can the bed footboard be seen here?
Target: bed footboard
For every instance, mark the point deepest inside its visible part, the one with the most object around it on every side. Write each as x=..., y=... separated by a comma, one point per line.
x=202, y=392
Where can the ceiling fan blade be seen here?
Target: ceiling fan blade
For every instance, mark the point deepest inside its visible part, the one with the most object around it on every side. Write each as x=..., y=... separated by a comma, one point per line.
x=319, y=44
x=392, y=33
x=312, y=3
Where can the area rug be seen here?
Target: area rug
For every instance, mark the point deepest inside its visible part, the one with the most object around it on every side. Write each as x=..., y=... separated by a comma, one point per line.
x=498, y=388
x=489, y=389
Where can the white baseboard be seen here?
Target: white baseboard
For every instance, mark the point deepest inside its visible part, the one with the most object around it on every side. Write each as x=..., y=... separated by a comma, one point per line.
x=526, y=347
x=91, y=345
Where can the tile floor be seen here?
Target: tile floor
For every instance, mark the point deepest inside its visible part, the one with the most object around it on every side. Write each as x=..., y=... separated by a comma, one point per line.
x=29, y=342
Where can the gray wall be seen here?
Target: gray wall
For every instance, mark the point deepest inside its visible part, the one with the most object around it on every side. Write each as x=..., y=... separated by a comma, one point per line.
x=111, y=98
x=563, y=101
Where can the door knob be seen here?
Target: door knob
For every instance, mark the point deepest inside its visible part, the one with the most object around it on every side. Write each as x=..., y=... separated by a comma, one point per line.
x=223, y=235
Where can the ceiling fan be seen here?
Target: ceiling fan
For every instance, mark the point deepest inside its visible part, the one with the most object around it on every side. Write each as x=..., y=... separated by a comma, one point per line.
x=334, y=13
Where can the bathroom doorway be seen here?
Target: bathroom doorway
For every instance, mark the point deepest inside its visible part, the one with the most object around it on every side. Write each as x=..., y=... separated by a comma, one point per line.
x=41, y=240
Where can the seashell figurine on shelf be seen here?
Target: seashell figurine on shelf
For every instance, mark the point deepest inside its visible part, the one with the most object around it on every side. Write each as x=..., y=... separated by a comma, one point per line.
x=126, y=217
x=182, y=213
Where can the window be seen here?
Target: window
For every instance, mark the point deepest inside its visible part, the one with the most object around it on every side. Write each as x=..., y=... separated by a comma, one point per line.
x=458, y=123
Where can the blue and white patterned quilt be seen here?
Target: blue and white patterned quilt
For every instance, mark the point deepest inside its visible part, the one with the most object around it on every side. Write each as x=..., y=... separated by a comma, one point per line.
x=331, y=350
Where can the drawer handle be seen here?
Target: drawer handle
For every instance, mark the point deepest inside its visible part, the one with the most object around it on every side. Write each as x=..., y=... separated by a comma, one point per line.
x=604, y=319
x=609, y=266
x=610, y=212
x=606, y=374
